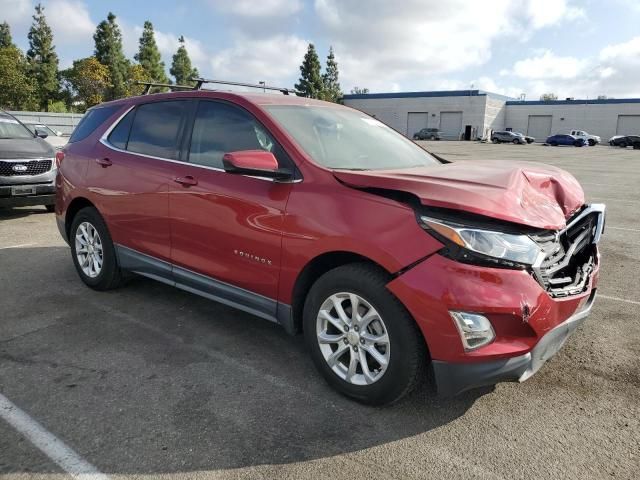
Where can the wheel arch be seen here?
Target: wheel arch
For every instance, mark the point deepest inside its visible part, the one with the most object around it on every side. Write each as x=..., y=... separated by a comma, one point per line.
x=314, y=269
x=74, y=207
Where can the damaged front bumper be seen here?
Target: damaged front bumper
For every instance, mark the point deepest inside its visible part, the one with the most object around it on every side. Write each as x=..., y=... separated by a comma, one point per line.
x=455, y=378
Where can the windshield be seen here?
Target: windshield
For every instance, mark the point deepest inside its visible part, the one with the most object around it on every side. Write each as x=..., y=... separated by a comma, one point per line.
x=342, y=138
x=10, y=128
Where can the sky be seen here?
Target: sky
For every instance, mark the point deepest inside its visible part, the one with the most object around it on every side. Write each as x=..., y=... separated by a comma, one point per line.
x=573, y=48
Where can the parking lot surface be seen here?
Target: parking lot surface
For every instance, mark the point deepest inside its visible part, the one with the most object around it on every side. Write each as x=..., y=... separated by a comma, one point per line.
x=151, y=382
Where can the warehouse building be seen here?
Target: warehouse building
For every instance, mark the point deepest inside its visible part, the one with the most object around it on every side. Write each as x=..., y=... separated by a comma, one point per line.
x=472, y=114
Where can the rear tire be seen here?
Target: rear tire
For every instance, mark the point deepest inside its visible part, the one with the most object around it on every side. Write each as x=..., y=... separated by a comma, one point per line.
x=516, y=141
x=93, y=252
x=356, y=371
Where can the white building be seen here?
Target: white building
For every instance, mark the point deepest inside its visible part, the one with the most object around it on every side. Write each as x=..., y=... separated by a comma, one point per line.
x=471, y=114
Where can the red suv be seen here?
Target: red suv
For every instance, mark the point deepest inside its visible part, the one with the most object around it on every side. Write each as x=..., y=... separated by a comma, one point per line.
x=324, y=220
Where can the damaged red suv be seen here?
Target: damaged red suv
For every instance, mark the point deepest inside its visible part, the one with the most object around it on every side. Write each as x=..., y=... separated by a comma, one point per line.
x=322, y=219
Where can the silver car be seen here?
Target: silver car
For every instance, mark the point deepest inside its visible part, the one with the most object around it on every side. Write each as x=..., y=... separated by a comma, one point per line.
x=27, y=166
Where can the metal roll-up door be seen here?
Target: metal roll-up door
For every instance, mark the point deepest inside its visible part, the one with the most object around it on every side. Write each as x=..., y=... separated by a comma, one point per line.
x=416, y=121
x=451, y=125
x=539, y=127
x=628, y=125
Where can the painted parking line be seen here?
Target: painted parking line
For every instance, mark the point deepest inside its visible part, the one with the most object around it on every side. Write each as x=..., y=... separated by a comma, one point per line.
x=623, y=229
x=48, y=443
x=618, y=299
x=21, y=245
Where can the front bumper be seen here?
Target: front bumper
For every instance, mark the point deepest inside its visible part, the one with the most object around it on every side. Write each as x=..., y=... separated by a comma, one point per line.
x=455, y=378
x=529, y=324
x=45, y=195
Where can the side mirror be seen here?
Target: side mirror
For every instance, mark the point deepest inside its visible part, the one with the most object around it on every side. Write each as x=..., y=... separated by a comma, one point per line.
x=258, y=163
x=41, y=133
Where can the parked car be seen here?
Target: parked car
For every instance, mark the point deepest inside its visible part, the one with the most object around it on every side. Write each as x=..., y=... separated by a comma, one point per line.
x=624, y=141
x=527, y=138
x=324, y=220
x=589, y=139
x=561, y=139
x=508, y=137
x=27, y=166
x=428, y=134
x=51, y=136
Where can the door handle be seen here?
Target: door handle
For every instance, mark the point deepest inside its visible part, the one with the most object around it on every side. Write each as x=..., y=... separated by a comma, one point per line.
x=104, y=162
x=186, y=181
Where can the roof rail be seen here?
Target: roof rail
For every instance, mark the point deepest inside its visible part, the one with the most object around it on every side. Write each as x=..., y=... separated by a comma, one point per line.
x=150, y=85
x=201, y=81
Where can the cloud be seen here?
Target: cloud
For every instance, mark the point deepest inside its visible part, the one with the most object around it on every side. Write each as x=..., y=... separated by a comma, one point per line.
x=262, y=8
x=70, y=21
x=544, y=13
x=613, y=71
x=381, y=43
x=15, y=11
x=548, y=65
x=272, y=59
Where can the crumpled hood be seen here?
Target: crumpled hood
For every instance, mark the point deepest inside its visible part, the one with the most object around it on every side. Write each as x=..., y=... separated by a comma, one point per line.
x=25, y=148
x=532, y=194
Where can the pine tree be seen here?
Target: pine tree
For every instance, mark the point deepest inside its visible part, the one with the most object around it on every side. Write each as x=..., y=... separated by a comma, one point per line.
x=332, y=92
x=181, y=68
x=108, y=51
x=5, y=35
x=310, y=83
x=149, y=57
x=42, y=58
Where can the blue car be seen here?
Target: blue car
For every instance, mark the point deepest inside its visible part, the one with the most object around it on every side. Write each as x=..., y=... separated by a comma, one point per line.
x=555, y=140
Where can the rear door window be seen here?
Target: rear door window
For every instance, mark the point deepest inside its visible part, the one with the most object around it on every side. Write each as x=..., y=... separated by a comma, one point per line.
x=119, y=136
x=92, y=120
x=157, y=128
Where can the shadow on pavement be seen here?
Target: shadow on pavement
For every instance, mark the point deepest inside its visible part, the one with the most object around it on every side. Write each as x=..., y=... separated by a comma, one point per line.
x=150, y=379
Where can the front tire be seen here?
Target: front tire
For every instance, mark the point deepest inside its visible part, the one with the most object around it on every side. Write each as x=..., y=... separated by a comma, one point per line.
x=592, y=142
x=50, y=208
x=495, y=140
x=516, y=141
x=361, y=338
x=92, y=250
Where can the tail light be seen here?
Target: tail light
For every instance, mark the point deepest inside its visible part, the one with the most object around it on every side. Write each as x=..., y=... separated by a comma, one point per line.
x=59, y=158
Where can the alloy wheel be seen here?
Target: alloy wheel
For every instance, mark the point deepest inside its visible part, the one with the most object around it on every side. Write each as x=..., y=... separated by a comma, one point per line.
x=353, y=338
x=89, y=251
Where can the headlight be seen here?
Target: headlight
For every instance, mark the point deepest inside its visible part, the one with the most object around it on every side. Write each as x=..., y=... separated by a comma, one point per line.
x=504, y=248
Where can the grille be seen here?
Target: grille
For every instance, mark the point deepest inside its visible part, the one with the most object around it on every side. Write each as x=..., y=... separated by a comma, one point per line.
x=569, y=257
x=34, y=167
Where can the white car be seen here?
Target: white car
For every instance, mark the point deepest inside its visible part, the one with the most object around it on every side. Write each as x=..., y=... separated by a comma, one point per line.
x=589, y=139
x=52, y=137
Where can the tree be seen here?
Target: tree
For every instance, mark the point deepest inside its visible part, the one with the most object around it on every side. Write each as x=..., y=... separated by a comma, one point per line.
x=42, y=58
x=87, y=82
x=181, y=68
x=359, y=91
x=149, y=57
x=108, y=51
x=136, y=74
x=17, y=89
x=310, y=83
x=331, y=85
x=545, y=97
x=5, y=35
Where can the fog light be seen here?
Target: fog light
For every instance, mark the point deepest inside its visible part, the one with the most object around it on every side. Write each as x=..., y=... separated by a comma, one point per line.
x=475, y=330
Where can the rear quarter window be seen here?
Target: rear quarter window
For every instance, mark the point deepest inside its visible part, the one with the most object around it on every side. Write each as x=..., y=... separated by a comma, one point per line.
x=91, y=120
